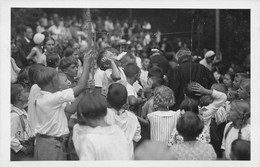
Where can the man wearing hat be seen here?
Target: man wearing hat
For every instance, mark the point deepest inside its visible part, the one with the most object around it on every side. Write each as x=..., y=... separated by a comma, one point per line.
x=187, y=71
x=208, y=59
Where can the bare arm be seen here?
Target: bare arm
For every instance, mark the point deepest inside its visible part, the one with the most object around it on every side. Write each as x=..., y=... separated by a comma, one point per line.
x=83, y=80
x=31, y=54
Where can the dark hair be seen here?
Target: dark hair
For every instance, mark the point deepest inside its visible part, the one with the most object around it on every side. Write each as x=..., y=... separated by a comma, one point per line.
x=241, y=149
x=91, y=106
x=231, y=74
x=117, y=95
x=68, y=52
x=44, y=76
x=189, y=104
x=67, y=61
x=189, y=93
x=242, y=74
x=189, y=125
x=23, y=76
x=131, y=69
x=205, y=100
x=16, y=90
x=156, y=81
x=53, y=60
x=32, y=73
x=155, y=71
x=47, y=39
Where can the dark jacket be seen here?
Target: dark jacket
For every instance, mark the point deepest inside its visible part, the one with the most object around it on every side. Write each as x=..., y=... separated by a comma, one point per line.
x=25, y=49
x=186, y=72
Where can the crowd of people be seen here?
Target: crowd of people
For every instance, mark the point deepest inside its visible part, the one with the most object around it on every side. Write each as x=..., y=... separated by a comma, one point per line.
x=120, y=97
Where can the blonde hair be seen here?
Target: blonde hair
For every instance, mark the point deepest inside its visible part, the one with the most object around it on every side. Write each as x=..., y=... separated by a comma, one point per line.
x=45, y=76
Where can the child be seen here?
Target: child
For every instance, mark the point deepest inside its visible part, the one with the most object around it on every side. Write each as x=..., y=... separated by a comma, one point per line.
x=132, y=73
x=53, y=60
x=238, y=127
x=23, y=78
x=125, y=120
x=228, y=79
x=51, y=125
x=93, y=137
x=238, y=78
x=69, y=65
x=244, y=90
x=240, y=150
x=144, y=71
x=190, y=126
x=106, y=61
x=36, y=53
x=20, y=130
x=163, y=120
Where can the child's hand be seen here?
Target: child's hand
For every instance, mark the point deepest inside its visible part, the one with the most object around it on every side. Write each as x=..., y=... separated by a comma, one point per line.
x=89, y=56
x=198, y=89
x=91, y=84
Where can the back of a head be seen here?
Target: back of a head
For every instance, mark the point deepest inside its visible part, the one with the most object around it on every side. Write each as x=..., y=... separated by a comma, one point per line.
x=189, y=125
x=117, y=95
x=189, y=104
x=240, y=150
x=23, y=75
x=131, y=69
x=155, y=72
x=163, y=96
x=220, y=87
x=69, y=52
x=53, y=60
x=33, y=72
x=91, y=106
x=44, y=76
x=157, y=81
x=189, y=93
x=243, y=108
x=183, y=53
x=205, y=100
x=66, y=62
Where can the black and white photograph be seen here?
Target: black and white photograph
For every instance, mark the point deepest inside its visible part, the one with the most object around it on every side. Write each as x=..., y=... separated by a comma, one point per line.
x=130, y=83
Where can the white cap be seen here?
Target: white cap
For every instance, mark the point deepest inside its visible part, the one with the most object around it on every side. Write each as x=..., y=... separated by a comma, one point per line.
x=209, y=54
x=38, y=38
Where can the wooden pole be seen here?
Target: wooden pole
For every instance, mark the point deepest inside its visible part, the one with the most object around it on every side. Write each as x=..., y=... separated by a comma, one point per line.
x=217, y=33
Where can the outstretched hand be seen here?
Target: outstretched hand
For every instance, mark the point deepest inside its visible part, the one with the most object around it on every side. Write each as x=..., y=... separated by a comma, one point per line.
x=89, y=56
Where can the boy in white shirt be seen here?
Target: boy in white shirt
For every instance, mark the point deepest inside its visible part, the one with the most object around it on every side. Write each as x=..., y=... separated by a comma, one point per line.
x=51, y=125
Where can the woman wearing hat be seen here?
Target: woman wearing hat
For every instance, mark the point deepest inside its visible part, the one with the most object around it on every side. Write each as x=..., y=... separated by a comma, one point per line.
x=208, y=59
x=36, y=53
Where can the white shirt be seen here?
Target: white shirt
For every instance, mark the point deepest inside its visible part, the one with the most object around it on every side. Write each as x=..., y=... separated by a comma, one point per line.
x=127, y=122
x=221, y=114
x=108, y=80
x=100, y=143
x=99, y=77
x=17, y=132
x=144, y=77
x=233, y=135
x=131, y=90
x=162, y=123
x=49, y=112
x=39, y=58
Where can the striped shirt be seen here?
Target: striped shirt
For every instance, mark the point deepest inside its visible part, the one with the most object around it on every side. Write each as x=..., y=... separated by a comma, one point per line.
x=162, y=123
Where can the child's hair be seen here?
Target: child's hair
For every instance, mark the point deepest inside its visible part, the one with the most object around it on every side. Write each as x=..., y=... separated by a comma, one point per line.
x=205, y=100
x=189, y=104
x=163, y=96
x=220, y=87
x=245, y=83
x=23, y=76
x=16, y=90
x=131, y=69
x=91, y=106
x=240, y=149
x=68, y=52
x=53, y=60
x=243, y=109
x=103, y=53
x=155, y=71
x=189, y=125
x=44, y=76
x=189, y=93
x=67, y=61
x=242, y=75
x=32, y=73
x=117, y=95
x=231, y=74
x=232, y=93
